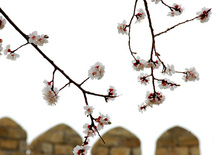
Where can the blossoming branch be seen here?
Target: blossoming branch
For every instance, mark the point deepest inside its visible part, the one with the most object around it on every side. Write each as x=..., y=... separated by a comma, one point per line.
x=154, y=62
x=51, y=93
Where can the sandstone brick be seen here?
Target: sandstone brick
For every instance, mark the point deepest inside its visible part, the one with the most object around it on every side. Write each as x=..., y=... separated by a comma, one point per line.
x=136, y=151
x=63, y=149
x=17, y=133
x=8, y=144
x=18, y=153
x=46, y=147
x=161, y=151
x=100, y=151
x=119, y=131
x=22, y=146
x=179, y=151
x=3, y=132
x=3, y=152
x=195, y=150
x=110, y=141
x=120, y=151
x=130, y=142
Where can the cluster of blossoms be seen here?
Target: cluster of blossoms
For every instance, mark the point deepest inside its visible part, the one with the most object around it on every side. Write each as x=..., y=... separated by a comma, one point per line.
x=91, y=129
x=96, y=71
x=140, y=15
x=81, y=150
x=122, y=27
x=204, y=14
x=140, y=64
x=166, y=83
x=37, y=39
x=191, y=75
x=10, y=54
x=112, y=93
x=176, y=10
x=50, y=93
x=7, y=51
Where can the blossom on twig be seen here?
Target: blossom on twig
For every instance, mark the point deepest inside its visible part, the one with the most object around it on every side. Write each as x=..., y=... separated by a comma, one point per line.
x=81, y=150
x=122, y=27
x=50, y=94
x=96, y=71
x=140, y=15
x=204, y=14
x=143, y=79
x=37, y=39
x=191, y=75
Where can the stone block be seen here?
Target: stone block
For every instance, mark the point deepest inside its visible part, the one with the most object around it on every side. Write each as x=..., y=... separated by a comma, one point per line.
x=130, y=142
x=136, y=151
x=100, y=151
x=17, y=133
x=46, y=147
x=3, y=132
x=8, y=144
x=161, y=151
x=23, y=146
x=3, y=152
x=179, y=151
x=63, y=149
x=110, y=141
x=195, y=150
x=18, y=153
x=120, y=151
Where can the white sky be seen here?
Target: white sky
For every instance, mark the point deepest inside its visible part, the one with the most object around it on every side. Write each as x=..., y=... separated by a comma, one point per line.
x=84, y=32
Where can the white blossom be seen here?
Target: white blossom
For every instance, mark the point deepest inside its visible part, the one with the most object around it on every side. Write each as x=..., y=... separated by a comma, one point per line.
x=89, y=130
x=111, y=92
x=122, y=27
x=176, y=10
x=169, y=70
x=102, y=120
x=191, y=75
x=140, y=15
x=81, y=150
x=138, y=64
x=142, y=107
x=143, y=79
x=154, y=98
x=50, y=94
x=2, y=22
x=13, y=56
x=204, y=14
x=88, y=109
x=37, y=39
x=156, y=1
x=96, y=71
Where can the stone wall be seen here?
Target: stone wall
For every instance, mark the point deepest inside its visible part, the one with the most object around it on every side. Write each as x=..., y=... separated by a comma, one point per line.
x=177, y=141
x=61, y=139
x=12, y=138
x=119, y=141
